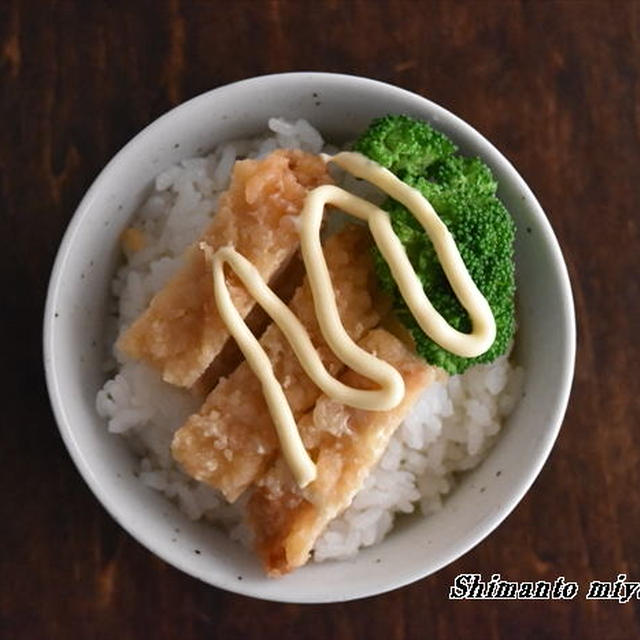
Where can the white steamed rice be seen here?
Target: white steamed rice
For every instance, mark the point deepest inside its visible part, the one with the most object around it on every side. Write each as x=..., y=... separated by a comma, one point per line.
x=449, y=430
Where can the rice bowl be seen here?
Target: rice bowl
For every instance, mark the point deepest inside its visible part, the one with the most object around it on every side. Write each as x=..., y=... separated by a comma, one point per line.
x=449, y=430
x=482, y=508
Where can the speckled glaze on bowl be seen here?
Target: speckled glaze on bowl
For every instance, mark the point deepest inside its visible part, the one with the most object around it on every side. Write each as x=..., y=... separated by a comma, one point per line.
x=340, y=107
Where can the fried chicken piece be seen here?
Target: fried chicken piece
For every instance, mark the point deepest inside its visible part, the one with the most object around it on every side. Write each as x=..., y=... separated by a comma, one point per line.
x=346, y=444
x=231, y=441
x=181, y=332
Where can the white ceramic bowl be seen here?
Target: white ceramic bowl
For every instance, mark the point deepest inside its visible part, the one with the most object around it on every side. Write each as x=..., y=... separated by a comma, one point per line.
x=340, y=107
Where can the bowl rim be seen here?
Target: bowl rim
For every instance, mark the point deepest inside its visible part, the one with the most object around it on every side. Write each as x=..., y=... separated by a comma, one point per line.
x=567, y=357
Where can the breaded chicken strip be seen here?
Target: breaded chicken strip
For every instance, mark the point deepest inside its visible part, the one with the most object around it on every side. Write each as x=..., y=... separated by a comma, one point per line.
x=231, y=441
x=181, y=332
x=346, y=443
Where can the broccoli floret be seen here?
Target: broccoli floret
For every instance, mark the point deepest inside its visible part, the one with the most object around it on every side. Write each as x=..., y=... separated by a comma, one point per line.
x=462, y=191
x=469, y=174
x=403, y=144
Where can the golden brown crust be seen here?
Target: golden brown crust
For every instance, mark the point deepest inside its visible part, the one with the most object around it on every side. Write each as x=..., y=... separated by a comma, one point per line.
x=181, y=332
x=231, y=441
x=346, y=443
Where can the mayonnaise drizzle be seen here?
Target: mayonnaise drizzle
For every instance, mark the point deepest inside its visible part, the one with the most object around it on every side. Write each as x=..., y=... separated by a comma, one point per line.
x=483, y=332
x=391, y=384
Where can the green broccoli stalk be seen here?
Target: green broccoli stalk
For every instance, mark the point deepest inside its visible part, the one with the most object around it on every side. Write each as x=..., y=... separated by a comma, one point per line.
x=462, y=191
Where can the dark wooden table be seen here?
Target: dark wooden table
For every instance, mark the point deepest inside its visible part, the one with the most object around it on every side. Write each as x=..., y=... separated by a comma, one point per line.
x=556, y=85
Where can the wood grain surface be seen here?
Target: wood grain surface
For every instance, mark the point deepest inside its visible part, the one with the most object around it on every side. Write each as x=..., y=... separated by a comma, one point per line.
x=555, y=85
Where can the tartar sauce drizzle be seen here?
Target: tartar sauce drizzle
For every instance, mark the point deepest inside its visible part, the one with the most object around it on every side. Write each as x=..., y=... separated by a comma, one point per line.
x=391, y=384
